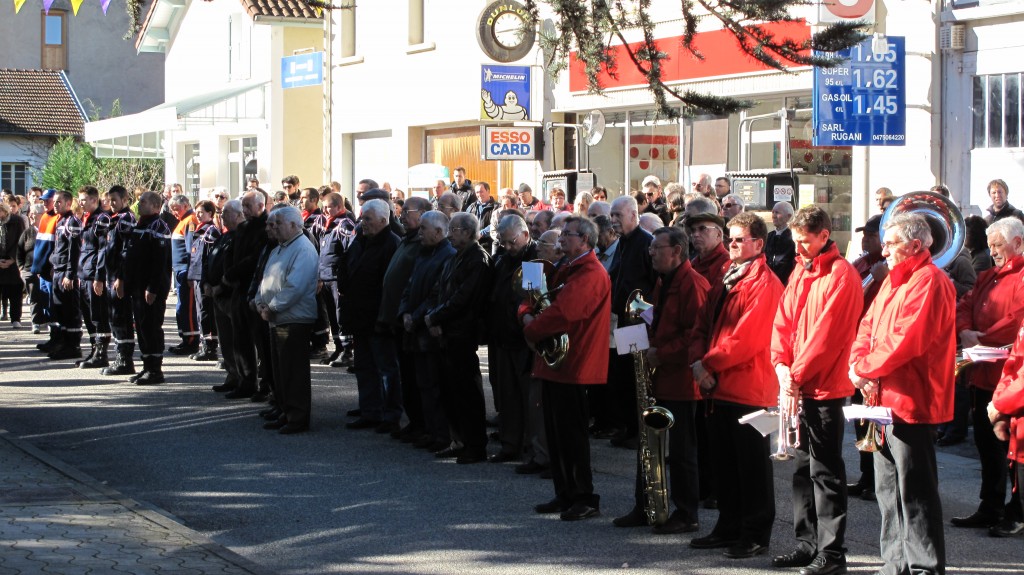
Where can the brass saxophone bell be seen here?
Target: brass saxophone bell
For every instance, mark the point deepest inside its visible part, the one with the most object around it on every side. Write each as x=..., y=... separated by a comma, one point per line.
x=636, y=306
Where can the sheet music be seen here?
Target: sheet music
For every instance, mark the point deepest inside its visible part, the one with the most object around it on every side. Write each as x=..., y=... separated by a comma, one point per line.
x=764, y=421
x=982, y=353
x=631, y=338
x=878, y=414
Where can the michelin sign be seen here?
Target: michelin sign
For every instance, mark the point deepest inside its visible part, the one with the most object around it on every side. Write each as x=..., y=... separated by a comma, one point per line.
x=505, y=93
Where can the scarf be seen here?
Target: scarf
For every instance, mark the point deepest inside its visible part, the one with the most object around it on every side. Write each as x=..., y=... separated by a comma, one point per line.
x=734, y=274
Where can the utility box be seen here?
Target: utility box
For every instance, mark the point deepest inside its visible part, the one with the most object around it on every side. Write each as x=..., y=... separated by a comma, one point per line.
x=570, y=181
x=762, y=189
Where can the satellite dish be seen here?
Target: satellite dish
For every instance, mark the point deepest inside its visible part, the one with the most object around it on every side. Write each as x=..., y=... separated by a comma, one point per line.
x=593, y=128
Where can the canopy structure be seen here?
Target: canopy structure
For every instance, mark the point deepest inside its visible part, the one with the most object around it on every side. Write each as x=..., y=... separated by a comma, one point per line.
x=143, y=135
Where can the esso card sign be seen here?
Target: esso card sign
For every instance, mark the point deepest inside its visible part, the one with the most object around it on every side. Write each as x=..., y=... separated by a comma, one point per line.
x=835, y=11
x=511, y=143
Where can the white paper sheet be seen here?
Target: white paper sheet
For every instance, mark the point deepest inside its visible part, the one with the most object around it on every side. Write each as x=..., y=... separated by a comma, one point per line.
x=880, y=415
x=764, y=421
x=981, y=353
x=631, y=338
x=533, y=275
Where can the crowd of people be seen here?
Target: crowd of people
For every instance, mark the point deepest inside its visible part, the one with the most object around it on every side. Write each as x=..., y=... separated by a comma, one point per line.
x=742, y=319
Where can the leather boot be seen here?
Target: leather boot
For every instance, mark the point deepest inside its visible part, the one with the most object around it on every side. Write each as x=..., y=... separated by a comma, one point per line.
x=153, y=373
x=124, y=364
x=207, y=351
x=92, y=352
x=54, y=341
x=99, y=356
x=70, y=346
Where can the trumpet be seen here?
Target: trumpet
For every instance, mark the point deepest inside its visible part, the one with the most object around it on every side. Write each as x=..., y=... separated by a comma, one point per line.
x=789, y=426
x=869, y=443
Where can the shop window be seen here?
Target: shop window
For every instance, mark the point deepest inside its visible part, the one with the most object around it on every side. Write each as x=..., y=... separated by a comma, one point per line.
x=55, y=40
x=461, y=147
x=997, y=111
x=12, y=177
x=654, y=149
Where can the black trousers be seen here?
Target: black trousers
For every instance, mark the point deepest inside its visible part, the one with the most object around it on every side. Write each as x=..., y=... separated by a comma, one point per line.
x=566, y=419
x=11, y=294
x=994, y=468
x=743, y=475
x=222, y=315
x=907, y=488
x=411, y=400
x=149, y=321
x=510, y=376
x=122, y=324
x=622, y=393
x=207, y=314
x=94, y=311
x=264, y=354
x=293, y=391
x=428, y=379
x=37, y=300
x=66, y=310
x=866, y=458
x=321, y=333
x=681, y=462
x=819, y=479
x=243, y=329
x=462, y=394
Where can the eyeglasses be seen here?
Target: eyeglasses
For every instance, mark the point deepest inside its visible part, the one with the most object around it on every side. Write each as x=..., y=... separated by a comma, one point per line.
x=510, y=243
x=648, y=194
x=407, y=210
x=728, y=205
x=286, y=186
x=701, y=229
x=889, y=245
x=740, y=240
x=220, y=196
x=574, y=234
x=653, y=248
x=457, y=228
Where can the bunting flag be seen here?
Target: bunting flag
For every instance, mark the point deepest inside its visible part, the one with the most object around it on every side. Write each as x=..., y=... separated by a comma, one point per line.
x=105, y=4
x=46, y=5
x=75, y=5
x=18, y=4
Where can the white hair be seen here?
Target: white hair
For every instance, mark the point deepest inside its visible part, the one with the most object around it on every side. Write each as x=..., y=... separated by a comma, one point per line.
x=628, y=201
x=1009, y=228
x=785, y=207
x=287, y=214
x=650, y=222
x=909, y=227
x=376, y=209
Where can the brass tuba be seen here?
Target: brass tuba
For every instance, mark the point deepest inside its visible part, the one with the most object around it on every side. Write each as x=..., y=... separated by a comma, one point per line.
x=655, y=422
x=552, y=350
x=943, y=217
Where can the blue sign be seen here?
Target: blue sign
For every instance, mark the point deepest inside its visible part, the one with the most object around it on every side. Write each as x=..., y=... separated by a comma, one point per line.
x=863, y=101
x=505, y=93
x=302, y=70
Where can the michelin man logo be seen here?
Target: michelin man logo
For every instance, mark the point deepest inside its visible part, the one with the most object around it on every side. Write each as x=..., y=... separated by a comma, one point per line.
x=510, y=111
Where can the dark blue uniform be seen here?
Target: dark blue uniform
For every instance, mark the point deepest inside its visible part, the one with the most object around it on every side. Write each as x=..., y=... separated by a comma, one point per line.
x=203, y=239
x=333, y=235
x=146, y=268
x=109, y=270
x=94, y=307
x=64, y=305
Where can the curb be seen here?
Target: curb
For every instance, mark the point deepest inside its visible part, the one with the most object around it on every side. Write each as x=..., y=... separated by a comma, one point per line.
x=99, y=492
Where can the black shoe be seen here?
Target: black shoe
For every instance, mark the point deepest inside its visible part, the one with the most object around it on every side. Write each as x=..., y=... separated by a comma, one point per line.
x=825, y=565
x=95, y=361
x=579, y=511
x=338, y=363
x=436, y=446
x=64, y=352
x=291, y=429
x=363, y=424
x=275, y=413
x=530, y=468
x=225, y=387
x=545, y=473
x=318, y=354
x=448, y=453
x=423, y=442
x=711, y=541
x=553, y=506
x=118, y=369
x=259, y=397
x=1006, y=528
x=503, y=457
x=947, y=440
x=267, y=411
x=240, y=393
x=745, y=550
x=798, y=558
x=276, y=424
x=386, y=427
x=137, y=376
x=205, y=354
x=868, y=495
x=856, y=489
x=354, y=412
x=150, y=378
x=467, y=457
x=710, y=503
x=409, y=434
x=183, y=349
x=976, y=519
x=676, y=524
x=635, y=518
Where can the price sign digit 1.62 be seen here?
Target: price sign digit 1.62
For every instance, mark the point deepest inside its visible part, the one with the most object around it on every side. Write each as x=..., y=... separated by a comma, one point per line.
x=863, y=101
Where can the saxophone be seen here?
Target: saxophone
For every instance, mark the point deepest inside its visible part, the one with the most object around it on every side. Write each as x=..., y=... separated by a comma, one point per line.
x=655, y=422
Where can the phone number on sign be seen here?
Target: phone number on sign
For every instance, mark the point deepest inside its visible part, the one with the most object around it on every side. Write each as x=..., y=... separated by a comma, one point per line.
x=892, y=137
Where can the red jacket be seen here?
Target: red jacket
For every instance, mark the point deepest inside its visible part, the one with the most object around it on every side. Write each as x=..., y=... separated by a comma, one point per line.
x=735, y=349
x=1008, y=397
x=994, y=306
x=816, y=323
x=907, y=342
x=713, y=267
x=581, y=309
x=677, y=314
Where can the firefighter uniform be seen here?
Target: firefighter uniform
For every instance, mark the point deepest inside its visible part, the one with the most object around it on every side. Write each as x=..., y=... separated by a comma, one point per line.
x=147, y=269
x=64, y=304
x=185, y=312
x=94, y=307
x=109, y=269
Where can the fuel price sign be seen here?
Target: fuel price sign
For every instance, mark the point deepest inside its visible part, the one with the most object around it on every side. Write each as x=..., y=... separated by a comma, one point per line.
x=863, y=101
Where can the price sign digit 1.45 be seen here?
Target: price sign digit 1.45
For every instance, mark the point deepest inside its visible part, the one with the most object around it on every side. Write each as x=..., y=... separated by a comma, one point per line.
x=863, y=101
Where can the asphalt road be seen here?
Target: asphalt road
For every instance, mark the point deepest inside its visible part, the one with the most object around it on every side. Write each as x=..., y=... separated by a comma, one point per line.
x=339, y=501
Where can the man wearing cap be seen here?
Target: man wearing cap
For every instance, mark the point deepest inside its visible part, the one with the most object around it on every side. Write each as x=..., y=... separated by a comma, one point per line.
x=706, y=233
x=528, y=201
x=780, y=249
x=656, y=203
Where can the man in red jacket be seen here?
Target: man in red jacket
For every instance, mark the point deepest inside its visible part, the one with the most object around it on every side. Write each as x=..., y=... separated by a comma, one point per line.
x=990, y=314
x=678, y=297
x=581, y=309
x=814, y=329
x=1006, y=411
x=731, y=363
x=903, y=359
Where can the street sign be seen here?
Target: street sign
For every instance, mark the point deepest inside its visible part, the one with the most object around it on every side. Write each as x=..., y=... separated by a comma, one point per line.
x=302, y=70
x=510, y=143
x=863, y=101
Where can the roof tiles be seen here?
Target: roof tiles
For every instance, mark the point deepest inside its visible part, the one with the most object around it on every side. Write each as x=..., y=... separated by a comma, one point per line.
x=38, y=103
x=279, y=8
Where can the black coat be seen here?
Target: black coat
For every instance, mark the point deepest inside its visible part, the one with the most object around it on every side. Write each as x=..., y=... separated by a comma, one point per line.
x=360, y=277
x=218, y=258
x=780, y=251
x=461, y=291
x=94, y=242
x=250, y=239
x=632, y=269
x=15, y=227
x=503, y=327
x=417, y=300
x=147, y=258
